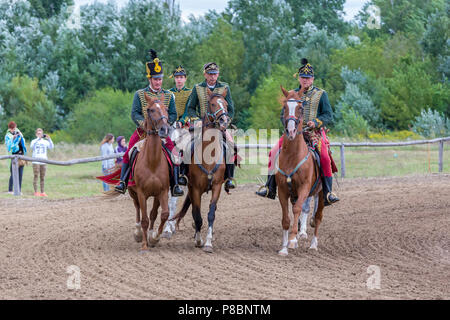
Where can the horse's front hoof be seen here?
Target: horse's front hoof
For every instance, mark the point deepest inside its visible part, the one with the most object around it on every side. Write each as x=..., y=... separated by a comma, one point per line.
x=293, y=244
x=312, y=223
x=302, y=235
x=283, y=252
x=138, y=236
x=314, y=244
x=208, y=249
x=199, y=243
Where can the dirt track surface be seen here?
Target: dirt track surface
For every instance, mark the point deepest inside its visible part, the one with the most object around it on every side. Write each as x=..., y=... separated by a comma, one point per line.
x=401, y=225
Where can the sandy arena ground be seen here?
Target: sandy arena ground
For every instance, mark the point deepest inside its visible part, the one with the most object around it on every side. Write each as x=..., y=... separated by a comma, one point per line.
x=401, y=225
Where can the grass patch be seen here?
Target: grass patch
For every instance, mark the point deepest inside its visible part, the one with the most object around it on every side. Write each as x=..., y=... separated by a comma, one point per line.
x=75, y=181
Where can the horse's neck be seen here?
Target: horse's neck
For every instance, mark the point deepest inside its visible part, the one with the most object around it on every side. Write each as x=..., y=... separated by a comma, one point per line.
x=206, y=143
x=153, y=150
x=295, y=147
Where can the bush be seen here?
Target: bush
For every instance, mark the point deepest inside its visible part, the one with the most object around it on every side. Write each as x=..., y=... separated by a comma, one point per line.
x=105, y=111
x=351, y=123
x=403, y=135
x=431, y=124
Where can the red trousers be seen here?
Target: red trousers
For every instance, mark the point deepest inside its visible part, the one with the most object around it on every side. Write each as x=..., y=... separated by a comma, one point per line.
x=325, y=160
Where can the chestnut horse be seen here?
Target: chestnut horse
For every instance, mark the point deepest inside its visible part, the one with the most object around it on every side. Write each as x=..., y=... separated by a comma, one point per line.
x=208, y=172
x=297, y=173
x=151, y=175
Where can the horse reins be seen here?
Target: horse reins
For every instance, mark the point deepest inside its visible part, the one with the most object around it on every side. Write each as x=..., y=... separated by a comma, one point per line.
x=154, y=121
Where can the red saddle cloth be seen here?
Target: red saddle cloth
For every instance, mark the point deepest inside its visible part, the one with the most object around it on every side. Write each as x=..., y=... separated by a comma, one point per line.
x=114, y=177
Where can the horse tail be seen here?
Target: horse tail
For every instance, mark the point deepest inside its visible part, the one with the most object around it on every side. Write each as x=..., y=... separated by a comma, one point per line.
x=180, y=215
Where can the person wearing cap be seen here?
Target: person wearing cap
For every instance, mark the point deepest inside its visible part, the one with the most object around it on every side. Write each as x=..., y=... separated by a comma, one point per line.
x=198, y=103
x=317, y=114
x=155, y=76
x=181, y=93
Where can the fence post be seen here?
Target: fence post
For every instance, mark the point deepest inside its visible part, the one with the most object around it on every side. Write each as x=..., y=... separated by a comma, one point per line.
x=342, y=160
x=15, y=174
x=441, y=155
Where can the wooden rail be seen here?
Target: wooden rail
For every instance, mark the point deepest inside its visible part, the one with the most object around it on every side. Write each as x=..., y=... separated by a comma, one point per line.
x=341, y=145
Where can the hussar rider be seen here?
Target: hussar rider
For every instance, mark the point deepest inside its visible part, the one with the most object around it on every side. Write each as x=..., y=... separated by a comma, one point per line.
x=316, y=115
x=198, y=104
x=155, y=76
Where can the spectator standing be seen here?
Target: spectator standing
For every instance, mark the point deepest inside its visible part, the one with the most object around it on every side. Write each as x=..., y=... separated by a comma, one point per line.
x=40, y=145
x=15, y=144
x=107, y=149
x=121, y=147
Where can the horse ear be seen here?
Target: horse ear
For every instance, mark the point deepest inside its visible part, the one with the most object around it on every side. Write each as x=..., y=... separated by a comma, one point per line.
x=147, y=98
x=224, y=93
x=284, y=91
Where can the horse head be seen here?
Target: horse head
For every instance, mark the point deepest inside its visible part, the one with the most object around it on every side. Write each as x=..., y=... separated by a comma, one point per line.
x=292, y=112
x=157, y=117
x=217, y=112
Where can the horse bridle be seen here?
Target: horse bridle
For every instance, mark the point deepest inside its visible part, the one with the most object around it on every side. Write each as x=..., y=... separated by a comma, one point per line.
x=215, y=117
x=154, y=121
x=294, y=118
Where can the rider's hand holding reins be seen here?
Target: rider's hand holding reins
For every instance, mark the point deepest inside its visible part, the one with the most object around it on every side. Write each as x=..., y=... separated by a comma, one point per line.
x=311, y=124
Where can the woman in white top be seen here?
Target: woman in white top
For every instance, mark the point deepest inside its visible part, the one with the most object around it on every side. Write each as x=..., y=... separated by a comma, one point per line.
x=40, y=145
x=107, y=149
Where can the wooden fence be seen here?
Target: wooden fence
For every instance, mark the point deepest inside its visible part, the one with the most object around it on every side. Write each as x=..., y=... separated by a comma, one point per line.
x=341, y=145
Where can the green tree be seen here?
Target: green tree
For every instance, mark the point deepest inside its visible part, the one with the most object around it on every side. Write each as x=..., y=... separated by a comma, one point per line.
x=105, y=110
x=410, y=90
x=265, y=106
x=23, y=102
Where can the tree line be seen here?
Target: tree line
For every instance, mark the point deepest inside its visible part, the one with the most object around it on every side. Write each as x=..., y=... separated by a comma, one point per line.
x=77, y=78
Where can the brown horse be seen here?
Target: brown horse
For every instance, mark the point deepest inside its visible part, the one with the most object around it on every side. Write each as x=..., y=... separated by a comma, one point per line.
x=297, y=172
x=151, y=175
x=208, y=172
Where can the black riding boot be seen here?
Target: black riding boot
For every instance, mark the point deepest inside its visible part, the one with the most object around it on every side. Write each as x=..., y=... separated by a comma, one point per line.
x=229, y=177
x=174, y=187
x=270, y=189
x=124, y=175
x=329, y=197
x=182, y=181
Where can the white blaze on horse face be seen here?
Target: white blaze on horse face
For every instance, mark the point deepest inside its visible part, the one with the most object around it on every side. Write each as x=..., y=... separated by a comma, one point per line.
x=292, y=105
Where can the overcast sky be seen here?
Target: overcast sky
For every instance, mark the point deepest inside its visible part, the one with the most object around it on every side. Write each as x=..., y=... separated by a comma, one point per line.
x=199, y=7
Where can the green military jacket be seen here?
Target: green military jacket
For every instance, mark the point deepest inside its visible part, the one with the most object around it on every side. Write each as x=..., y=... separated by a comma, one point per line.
x=198, y=100
x=181, y=99
x=317, y=107
x=138, y=114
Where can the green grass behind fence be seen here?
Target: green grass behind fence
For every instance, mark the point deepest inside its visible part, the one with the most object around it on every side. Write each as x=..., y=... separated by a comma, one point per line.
x=78, y=180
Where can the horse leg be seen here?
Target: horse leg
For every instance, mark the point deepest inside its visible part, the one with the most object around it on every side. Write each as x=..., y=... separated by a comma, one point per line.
x=316, y=203
x=184, y=209
x=212, y=216
x=144, y=221
x=317, y=220
x=304, y=218
x=297, y=209
x=138, y=231
x=196, y=215
x=164, y=202
x=169, y=228
x=285, y=222
x=153, y=216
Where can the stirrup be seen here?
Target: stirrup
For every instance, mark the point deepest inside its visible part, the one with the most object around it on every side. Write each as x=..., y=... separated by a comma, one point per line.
x=227, y=188
x=118, y=189
x=259, y=190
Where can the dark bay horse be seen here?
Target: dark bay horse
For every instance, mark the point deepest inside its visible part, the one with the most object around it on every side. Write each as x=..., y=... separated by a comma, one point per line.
x=297, y=173
x=151, y=175
x=207, y=168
